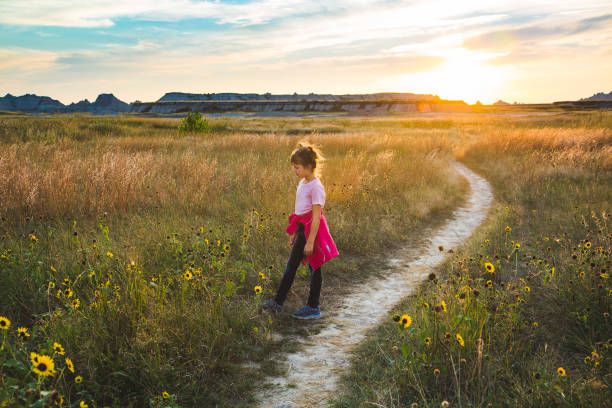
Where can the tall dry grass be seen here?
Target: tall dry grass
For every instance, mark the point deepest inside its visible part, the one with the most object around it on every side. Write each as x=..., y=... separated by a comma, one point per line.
x=87, y=196
x=536, y=331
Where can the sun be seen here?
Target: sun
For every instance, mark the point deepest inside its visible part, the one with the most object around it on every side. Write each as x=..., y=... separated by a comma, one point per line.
x=462, y=75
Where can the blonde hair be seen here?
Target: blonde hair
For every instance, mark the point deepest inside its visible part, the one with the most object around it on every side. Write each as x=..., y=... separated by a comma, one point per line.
x=308, y=154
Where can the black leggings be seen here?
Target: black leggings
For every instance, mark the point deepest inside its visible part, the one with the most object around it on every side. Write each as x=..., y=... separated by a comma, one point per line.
x=297, y=253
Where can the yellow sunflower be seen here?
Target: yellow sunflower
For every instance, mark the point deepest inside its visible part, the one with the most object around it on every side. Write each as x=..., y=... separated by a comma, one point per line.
x=22, y=333
x=508, y=229
x=443, y=303
x=489, y=267
x=427, y=341
x=75, y=304
x=587, y=245
x=460, y=340
x=187, y=275
x=58, y=348
x=257, y=289
x=561, y=371
x=43, y=366
x=4, y=323
x=58, y=399
x=262, y=275
x=165, y=395
x=70, y=365
x=83, y=404
x=78, y=379
x=406, y=320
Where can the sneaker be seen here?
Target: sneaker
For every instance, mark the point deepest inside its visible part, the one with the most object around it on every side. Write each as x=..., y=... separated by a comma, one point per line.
x=272, y=306
x=307, y=312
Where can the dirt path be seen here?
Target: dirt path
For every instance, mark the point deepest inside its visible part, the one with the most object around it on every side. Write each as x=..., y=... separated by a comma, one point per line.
x=313, y=371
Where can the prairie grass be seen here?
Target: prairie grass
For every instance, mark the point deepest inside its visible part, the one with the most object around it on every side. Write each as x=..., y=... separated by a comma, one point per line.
x=520, y=315
x=137, y=248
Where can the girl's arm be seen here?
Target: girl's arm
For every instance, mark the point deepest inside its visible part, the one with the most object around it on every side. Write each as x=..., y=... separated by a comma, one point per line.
x=314, y=228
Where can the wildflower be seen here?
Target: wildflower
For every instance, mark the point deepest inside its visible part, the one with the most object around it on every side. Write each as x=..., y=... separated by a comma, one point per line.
x=43, y=365
x=535, y=324
x=187, y=275
x=67, y=293
x=507, y=208
x=255, y=329
x=604, y=275
x=257, y=289
x=262, y=275
x=83, y=405
x=436, y=372
x=52, y=269
x=425, y=305
x=552, y=272
x=443, y=303
x=4, y=323
x=414, y=405
x=58, y=348
x=561, y=371
x=517, y=245
x=51, y=285
x=70, y=365
x=489, y=267
x=22, y=333
x=587, y=360
x=581, y=274
x=427, y=341
x=57, y=398
x=109, y=254
x=431, y=276
x=587, y=245
x=396, y=318
x=78, y=379
x=444, y=404
x=489, y=283
x=92, y=274
x=33, y=238
x=75, y=303
x=460, y=340
x=508, y=229
x=527, y=289
x=406, y=320
x=165, y=395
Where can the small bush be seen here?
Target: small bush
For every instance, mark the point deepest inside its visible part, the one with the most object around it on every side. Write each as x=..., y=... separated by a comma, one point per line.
x=194, y=122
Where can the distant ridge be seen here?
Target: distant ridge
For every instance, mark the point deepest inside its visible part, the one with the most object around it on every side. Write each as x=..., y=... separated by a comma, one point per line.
x=238, y=97
x=30, y=103
x=599, y=97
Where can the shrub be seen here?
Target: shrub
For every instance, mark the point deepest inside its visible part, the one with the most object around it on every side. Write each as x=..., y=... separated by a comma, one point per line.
x=194, y=122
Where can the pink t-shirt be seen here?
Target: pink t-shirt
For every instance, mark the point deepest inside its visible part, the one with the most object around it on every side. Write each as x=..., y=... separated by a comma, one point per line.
x=309, y=193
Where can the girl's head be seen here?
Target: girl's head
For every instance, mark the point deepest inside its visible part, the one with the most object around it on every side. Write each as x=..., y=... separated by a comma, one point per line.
x=309, y=157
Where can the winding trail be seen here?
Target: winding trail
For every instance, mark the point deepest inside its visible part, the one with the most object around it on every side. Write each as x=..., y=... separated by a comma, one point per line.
x=312, y=372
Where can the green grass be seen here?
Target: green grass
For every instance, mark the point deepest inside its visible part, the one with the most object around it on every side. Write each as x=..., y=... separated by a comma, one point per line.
x=523, y=322
x=123, y=207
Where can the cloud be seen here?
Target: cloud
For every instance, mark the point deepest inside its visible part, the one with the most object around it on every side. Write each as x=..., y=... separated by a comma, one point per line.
x=511, y=38
x=101, y=13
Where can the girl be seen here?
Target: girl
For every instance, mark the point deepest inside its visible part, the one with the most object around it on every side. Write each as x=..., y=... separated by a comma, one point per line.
x=309, y=236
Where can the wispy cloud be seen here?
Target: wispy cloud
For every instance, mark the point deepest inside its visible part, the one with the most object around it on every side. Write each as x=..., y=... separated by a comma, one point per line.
x=151, y=46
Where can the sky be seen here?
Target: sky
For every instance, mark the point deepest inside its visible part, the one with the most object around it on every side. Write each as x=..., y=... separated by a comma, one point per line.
x=524, y=51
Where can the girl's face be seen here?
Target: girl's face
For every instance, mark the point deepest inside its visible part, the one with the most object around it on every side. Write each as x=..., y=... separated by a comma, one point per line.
x=302, y=171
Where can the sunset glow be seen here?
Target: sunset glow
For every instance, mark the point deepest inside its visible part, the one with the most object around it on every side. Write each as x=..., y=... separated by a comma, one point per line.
x=479, y=50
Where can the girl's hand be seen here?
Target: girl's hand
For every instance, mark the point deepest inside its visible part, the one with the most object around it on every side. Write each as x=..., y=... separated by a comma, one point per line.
x=291, y=240
x=308, y=248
